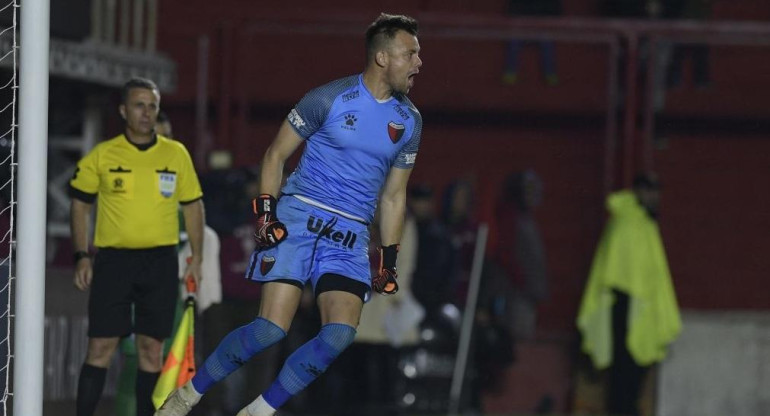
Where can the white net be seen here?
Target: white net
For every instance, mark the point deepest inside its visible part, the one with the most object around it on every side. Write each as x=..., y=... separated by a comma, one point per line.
x=8, y=90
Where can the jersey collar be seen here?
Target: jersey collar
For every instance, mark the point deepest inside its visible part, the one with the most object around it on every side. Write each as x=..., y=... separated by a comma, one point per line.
x=369, y=93
x=144, y=146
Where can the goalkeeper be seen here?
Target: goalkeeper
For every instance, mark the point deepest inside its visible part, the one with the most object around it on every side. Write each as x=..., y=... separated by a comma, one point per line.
x=361, y=136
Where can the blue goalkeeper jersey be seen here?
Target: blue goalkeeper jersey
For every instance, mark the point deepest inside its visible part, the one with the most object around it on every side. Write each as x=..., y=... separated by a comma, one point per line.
x=352, y=141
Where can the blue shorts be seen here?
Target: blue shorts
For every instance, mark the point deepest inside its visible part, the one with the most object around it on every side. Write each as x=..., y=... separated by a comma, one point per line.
x=319, y=242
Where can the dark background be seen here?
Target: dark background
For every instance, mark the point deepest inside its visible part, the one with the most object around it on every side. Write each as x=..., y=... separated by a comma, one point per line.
x=713, y=162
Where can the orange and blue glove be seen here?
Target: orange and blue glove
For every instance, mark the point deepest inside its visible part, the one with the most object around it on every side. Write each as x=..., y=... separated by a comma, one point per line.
x=385, y=280
x=270, y=231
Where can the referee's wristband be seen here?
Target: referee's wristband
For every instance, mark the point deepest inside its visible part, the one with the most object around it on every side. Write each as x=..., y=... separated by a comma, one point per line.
x=79, y=255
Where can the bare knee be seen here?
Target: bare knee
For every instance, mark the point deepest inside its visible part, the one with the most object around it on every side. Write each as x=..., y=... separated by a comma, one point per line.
x=100, y=351
x=150, y=353
x=340, y=307
x=279, y=303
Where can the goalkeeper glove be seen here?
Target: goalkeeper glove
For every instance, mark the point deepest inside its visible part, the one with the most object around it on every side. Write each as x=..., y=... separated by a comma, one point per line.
x=385, y=280
x=270, y=231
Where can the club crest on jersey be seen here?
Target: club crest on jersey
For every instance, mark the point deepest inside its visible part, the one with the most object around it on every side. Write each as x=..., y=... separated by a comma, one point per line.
x=395, y=131
x=266, y=264
x=166, y=182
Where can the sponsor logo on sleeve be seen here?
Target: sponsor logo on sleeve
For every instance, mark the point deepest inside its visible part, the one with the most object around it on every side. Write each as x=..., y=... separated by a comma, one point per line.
x=410, y=158
x=401, y=112
x=350, y=96
x=295, y=119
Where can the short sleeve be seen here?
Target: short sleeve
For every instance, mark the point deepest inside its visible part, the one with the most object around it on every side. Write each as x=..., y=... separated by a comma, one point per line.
x=312, y=110
x=85, y=179
x=408, y=154
x=189, y=185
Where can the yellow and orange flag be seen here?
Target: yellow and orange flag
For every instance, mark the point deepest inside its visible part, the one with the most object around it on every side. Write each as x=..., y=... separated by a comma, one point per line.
x=180, y=363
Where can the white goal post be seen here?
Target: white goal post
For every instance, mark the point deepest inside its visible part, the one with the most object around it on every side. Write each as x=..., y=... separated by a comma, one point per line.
x=31, y=224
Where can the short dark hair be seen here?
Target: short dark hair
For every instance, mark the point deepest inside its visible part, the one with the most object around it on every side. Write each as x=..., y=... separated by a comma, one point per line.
x=137, y=82
x=384, y=28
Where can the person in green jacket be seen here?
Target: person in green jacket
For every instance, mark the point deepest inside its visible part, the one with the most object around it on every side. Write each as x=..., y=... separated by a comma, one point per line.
x=629, y=314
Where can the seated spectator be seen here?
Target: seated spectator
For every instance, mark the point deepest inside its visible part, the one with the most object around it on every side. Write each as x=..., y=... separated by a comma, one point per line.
x=547, y=49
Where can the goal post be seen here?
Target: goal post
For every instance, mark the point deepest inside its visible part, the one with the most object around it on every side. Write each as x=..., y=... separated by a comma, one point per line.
x=28, y=338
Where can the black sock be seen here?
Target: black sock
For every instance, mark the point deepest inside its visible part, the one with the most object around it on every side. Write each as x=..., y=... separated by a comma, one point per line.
x=90, y=386
x=145, y=384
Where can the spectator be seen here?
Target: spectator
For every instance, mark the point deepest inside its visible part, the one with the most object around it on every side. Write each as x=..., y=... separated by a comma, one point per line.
x=163, y=126
x=432, y=278
x=223, y=186
x=514, y=279
x=458, y=214
x=547, y=49
x=520, y=251
x=629, y=315
x=699, y=52
x=458, y=217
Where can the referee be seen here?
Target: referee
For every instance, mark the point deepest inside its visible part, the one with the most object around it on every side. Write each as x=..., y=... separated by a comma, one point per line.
x=140, y=179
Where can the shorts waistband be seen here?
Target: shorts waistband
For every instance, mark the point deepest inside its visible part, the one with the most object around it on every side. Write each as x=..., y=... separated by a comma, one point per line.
x=136, y=250
x=329, y=209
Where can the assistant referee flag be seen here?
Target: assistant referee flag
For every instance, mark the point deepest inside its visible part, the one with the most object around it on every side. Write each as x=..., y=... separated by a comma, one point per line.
x=180, y=363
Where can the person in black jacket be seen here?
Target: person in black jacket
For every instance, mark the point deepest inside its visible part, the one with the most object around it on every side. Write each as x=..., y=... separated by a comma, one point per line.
x=431, y=281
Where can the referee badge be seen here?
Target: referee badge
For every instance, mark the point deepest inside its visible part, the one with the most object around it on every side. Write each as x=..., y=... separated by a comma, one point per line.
x=167, y=182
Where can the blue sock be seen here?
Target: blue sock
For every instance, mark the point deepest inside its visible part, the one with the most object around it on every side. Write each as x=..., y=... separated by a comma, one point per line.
x=235, y=349
x=308, y=362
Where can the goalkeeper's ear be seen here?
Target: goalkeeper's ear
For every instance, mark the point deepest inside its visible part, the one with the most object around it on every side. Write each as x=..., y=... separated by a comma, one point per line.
x=381, y=58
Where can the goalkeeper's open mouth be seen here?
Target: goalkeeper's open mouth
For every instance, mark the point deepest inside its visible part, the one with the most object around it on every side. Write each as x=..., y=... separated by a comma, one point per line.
x=410, y=79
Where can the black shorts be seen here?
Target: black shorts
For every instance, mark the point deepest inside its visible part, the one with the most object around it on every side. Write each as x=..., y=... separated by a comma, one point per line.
x=148, y=279
x=332, y=281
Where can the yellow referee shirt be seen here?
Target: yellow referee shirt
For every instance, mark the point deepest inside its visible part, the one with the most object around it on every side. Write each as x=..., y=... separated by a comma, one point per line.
x=139, y=191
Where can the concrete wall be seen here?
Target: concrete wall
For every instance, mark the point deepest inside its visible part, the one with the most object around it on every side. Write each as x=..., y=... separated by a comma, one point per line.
x=719, y=366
